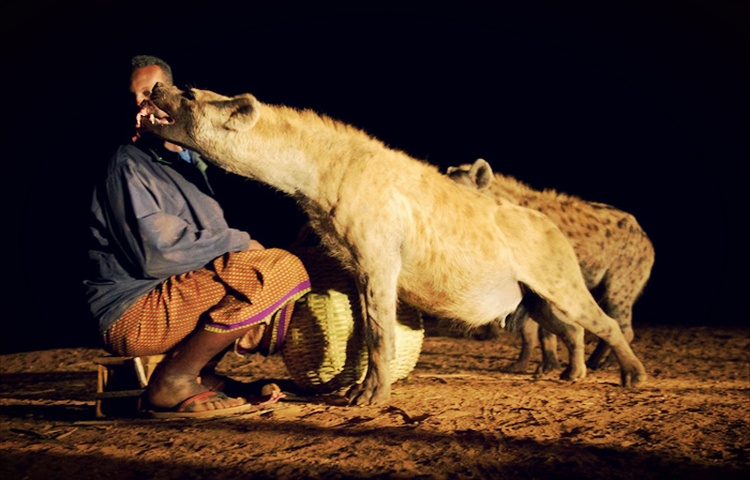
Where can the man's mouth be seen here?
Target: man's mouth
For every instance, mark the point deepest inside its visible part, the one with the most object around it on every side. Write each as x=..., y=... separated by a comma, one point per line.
x=153, y=114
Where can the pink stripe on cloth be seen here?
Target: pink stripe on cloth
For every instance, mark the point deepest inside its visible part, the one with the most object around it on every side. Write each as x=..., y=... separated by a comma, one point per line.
x=293, y=294
x=280, y=324
x=281, y=327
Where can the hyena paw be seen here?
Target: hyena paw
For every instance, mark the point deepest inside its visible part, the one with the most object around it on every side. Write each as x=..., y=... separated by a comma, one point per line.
x=633, y=377
x=361, y=395
x=549, y=365
x=519, y=366
x=573, y=374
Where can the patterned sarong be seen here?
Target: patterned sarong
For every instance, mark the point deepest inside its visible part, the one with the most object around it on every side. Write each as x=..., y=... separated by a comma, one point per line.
x=238, y=290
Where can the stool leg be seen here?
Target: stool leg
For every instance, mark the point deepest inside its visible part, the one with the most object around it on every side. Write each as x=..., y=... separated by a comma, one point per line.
x=140, y=372
x=101, y=382
x=117, y=379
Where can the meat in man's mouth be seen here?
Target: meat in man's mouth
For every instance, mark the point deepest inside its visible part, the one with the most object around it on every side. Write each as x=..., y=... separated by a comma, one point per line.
x=150, y=112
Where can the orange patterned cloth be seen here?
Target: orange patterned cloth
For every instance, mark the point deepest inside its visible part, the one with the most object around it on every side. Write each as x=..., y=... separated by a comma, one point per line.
x=238, y=290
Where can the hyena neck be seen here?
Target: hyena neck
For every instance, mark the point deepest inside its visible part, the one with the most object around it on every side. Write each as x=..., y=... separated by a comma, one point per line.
x=299, y=152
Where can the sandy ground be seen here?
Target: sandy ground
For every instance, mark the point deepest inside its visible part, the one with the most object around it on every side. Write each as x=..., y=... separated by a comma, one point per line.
x=457, y=415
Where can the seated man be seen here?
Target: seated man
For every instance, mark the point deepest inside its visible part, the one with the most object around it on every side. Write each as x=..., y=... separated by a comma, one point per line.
x=168, y=275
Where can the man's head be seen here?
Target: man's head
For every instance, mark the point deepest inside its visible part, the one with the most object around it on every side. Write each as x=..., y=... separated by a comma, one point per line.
x=146, y=71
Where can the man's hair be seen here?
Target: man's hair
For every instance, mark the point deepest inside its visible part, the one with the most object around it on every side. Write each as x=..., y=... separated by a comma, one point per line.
x=140, y=61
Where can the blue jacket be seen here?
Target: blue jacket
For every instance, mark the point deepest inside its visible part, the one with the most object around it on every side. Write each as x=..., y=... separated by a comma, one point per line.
x=147, y=223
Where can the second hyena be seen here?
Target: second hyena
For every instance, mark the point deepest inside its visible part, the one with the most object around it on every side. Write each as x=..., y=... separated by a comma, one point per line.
x=615, y=254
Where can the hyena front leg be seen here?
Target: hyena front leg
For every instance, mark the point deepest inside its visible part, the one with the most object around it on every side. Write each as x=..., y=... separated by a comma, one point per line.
x=548, y=342
x=531, y=337
x=529, y=341
x=379, y=301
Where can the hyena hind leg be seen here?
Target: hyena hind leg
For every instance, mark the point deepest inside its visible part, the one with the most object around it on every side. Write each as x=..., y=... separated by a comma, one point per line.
x=602, y=355
x=593, y=318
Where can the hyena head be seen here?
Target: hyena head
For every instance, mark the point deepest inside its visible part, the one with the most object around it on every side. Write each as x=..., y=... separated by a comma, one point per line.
x=476, y=175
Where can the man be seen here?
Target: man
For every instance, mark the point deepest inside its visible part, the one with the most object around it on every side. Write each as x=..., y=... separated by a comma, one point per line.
x=168, y=274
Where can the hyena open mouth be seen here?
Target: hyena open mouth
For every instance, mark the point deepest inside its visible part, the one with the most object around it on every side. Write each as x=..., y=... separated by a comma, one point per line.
x=153, y=113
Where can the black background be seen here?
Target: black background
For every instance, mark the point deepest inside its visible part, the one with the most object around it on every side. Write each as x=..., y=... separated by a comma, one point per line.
x=642, y=105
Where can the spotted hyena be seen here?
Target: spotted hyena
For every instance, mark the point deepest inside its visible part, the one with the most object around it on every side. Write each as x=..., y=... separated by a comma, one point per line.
x=404, y=230
x=615, y=254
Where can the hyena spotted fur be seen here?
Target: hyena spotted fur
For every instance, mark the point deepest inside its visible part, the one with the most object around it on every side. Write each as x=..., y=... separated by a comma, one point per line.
x=615, y=255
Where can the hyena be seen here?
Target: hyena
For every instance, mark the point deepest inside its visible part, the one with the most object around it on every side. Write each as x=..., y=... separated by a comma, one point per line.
x=405, y=231
x=615, y=254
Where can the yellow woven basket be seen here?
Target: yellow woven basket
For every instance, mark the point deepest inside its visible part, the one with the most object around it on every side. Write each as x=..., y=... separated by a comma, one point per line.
x=324, y=349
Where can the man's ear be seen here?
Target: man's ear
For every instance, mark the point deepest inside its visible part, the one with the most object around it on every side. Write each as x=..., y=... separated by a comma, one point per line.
x=481, y=174
x=244, y=112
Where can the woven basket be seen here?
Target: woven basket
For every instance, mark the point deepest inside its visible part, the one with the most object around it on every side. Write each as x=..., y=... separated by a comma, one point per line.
x=324, y=349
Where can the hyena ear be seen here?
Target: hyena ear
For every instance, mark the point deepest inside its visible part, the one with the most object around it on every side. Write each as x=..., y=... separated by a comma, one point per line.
x=244, y=111
x=481, y=174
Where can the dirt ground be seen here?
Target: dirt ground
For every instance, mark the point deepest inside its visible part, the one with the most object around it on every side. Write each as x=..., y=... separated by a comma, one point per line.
x=456, y=416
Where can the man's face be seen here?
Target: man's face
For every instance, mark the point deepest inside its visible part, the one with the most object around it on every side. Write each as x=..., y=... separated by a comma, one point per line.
x=142, y=80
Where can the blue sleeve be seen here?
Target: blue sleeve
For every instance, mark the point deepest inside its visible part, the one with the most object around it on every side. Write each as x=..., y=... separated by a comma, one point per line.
x=168, y=226
x=171, y=246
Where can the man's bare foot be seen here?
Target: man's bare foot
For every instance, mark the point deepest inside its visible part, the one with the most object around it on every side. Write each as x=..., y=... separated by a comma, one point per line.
x=221, y=383
x=203, y=405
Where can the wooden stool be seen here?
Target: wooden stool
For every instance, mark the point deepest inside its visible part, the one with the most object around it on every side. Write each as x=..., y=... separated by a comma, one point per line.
x=121, y=382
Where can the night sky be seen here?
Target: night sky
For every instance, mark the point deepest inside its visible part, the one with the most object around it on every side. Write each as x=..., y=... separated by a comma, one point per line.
x=641, y=105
